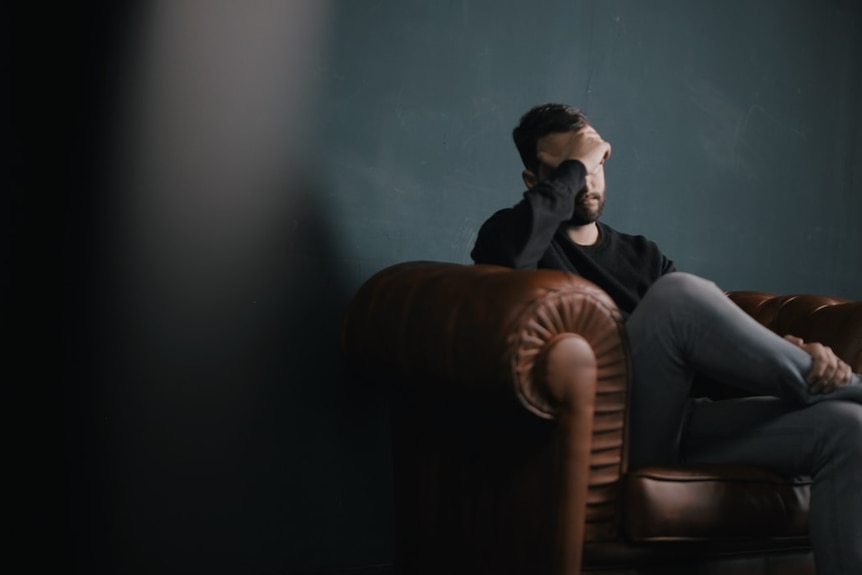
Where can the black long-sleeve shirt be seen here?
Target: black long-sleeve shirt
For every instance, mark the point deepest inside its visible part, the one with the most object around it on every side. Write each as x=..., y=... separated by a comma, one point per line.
x=532, y=234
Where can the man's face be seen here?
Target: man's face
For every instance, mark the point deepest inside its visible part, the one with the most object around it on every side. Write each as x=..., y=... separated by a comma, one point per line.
x=590, y=200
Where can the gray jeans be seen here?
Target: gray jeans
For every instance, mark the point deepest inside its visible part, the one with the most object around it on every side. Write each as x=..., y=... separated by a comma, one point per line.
x=686, y=325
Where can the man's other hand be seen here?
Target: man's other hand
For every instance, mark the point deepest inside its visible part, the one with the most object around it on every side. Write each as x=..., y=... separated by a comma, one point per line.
x=584, y=145
x=828, y=372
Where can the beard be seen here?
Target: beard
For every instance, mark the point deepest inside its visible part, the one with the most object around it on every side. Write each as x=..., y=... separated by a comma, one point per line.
x=582, y=214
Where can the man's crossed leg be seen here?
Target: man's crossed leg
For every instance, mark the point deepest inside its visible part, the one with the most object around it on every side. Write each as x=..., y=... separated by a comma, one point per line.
x=686, y=325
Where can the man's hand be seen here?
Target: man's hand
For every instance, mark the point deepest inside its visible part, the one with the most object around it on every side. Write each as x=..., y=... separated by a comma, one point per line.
x=584, y=145
x=828, y=372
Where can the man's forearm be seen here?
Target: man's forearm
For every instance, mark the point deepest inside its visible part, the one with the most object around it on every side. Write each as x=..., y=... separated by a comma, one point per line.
x=519, y=237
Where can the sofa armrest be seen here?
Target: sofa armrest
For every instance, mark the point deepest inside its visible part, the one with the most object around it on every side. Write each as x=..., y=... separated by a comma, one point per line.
x=509, y=405
x=479, y=330
x=832, y=321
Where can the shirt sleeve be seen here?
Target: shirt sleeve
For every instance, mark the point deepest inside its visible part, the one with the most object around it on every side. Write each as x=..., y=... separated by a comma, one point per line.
x=666, y=265
x=518, y=237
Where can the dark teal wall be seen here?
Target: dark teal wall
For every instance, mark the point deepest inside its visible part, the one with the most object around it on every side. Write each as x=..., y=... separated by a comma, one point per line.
x=735, y=125
x=199, y=188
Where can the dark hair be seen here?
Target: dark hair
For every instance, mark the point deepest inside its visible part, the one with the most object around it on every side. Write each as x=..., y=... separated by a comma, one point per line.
x=539, y=122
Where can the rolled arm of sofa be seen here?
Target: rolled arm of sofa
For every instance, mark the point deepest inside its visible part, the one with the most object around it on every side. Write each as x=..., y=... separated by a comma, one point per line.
x=483, y=330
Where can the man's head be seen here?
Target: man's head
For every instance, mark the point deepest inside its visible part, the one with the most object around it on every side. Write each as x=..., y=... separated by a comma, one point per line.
x=550, y=128
x=538, y=123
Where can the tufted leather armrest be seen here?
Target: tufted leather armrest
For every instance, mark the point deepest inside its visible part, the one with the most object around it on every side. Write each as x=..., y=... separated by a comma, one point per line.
x=480, y=360
x=455, y=329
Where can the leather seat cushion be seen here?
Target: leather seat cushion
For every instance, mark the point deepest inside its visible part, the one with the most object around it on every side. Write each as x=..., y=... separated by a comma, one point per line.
x=717, y=502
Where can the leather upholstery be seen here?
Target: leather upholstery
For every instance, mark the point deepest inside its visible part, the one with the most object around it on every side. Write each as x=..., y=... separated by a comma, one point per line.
x=691, y=503
x=510, y=391
x=831, y=321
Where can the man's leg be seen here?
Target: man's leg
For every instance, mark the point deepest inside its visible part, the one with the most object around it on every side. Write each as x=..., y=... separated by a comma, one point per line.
x=823, y=441
x=685, y=324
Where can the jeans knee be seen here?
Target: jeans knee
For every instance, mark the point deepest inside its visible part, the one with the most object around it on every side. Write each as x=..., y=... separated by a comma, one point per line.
x=681, y=281
x=676, y=288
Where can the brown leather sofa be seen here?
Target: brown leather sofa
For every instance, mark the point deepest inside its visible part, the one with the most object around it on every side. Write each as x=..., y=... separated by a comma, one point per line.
x=509, y=405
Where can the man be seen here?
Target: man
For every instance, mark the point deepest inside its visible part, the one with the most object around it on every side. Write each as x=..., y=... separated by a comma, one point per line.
x=807, y=418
